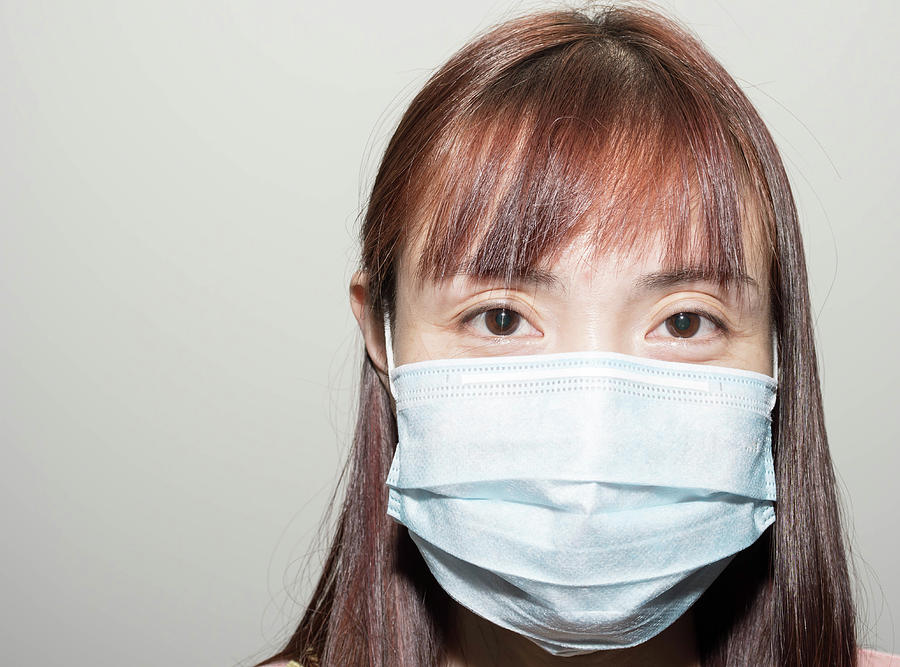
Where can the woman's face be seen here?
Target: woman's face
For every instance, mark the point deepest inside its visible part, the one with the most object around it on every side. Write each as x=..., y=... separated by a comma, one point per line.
x=581, y=302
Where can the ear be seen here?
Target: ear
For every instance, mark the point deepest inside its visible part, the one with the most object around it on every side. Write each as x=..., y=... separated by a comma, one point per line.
x=371, y=326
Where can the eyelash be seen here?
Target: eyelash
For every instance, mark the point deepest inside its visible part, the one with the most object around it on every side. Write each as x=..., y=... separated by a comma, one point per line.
x=717, y=322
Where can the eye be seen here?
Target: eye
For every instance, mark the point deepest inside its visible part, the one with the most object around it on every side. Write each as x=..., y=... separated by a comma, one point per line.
x=494, y=320
x=690, y=325
x=683, y=325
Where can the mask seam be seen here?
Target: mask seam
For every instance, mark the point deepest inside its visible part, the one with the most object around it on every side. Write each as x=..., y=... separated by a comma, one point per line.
x=719, y=376
x=758, y=410
x=413, y=397
x=584, y=381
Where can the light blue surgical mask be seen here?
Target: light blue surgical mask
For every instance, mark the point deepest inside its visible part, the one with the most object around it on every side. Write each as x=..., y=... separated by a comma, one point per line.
x=583, y=500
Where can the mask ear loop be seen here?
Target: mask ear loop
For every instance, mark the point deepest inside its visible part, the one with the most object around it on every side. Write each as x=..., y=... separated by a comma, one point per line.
x=775, y=355
x=389, y=353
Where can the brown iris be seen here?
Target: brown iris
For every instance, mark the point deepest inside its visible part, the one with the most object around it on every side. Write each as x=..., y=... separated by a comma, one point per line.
x=501, y=322
x=683, y=325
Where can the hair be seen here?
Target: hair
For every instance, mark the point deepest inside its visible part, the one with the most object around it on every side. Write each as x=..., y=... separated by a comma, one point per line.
x=618, y=124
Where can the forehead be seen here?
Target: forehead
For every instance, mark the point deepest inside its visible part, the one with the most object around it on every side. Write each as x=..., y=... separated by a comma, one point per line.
x=583, y=259
x=651, y=216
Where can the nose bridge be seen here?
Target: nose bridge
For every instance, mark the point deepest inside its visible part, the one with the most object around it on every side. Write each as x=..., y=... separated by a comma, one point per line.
x=593, y=327
x=598, y=309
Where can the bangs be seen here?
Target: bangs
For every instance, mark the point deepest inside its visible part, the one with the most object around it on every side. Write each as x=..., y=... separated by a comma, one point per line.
x=589, y=137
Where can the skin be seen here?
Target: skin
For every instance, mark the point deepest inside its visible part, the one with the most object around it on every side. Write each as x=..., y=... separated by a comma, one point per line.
x=579, y=302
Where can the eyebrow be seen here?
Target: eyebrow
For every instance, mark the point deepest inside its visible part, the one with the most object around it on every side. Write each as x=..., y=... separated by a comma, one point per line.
x=657, y=280
x=693, y=274
x=530, y=276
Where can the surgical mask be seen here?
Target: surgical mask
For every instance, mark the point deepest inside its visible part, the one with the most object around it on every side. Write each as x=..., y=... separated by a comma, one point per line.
x=583, y=500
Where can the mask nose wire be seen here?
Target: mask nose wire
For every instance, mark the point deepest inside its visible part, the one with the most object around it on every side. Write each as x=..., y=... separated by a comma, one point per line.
x=389, y=352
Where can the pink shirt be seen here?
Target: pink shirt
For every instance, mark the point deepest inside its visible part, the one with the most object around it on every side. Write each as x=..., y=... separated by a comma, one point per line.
x=866, y=657
x=870, y=658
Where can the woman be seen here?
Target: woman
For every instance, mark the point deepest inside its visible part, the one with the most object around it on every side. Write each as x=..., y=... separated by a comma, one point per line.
x=582, y=273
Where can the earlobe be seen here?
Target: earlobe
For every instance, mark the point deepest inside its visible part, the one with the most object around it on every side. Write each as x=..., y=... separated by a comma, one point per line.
x=369, y=325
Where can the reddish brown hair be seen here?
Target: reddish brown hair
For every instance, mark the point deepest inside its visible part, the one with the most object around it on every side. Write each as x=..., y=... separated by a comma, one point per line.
x=621, y=125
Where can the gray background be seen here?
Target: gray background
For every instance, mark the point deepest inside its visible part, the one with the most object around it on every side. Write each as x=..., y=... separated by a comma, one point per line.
x=179, y=187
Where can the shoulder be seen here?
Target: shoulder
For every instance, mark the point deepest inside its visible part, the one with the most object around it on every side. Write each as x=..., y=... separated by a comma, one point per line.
x=866, y=658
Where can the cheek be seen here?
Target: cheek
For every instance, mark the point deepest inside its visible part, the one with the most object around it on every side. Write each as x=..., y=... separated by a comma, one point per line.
x=410, y=339
x=407, y=337
x=760, y=358
x=755, y=352
x=417, y=336
x=414, y=344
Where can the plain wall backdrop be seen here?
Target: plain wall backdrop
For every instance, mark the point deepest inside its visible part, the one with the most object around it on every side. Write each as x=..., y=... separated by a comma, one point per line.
x=179, y=189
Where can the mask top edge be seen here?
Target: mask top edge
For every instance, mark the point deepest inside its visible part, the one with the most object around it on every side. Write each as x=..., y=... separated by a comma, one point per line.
x=564, y=360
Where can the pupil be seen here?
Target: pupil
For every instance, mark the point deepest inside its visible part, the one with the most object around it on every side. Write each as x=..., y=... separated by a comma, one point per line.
x=503, y=319
x=682, y=321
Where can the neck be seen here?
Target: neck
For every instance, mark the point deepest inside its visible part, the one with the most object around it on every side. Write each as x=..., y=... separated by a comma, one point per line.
x=475, y=642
